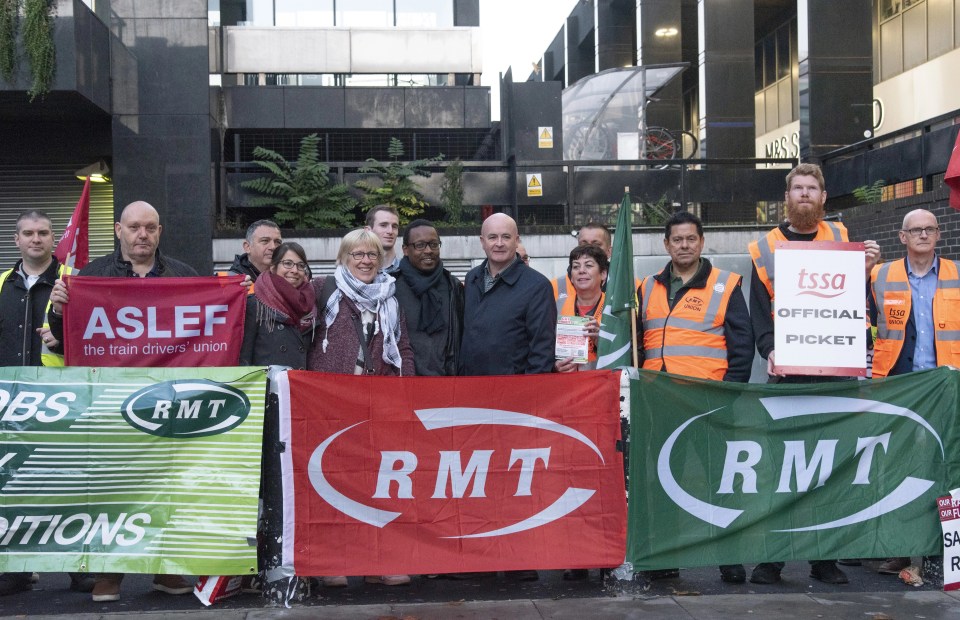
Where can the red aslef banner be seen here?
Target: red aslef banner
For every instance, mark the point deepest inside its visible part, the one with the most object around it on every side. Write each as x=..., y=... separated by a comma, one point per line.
x=154, y=321
x=421, y=475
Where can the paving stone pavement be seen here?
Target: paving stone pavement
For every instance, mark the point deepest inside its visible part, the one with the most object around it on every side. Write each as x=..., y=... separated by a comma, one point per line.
x=697, y=593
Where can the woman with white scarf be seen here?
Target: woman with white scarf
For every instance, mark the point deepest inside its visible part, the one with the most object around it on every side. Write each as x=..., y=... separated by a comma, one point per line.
x=362, y=330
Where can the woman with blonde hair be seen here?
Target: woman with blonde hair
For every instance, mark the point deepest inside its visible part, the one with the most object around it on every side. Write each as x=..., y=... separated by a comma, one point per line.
x=361, y=331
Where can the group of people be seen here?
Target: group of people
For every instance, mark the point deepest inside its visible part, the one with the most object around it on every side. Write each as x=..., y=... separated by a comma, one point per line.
x=390, y=312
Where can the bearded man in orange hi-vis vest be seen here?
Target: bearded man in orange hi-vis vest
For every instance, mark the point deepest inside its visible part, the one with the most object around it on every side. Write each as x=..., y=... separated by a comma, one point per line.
x=805, y=198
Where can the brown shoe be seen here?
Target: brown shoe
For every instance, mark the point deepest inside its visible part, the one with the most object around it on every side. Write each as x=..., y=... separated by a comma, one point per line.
x=893, y=566
x=388, y=580
x=107, y=588
x=172, y=584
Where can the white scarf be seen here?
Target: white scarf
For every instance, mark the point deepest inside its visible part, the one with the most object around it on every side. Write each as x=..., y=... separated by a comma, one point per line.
x=377, y=297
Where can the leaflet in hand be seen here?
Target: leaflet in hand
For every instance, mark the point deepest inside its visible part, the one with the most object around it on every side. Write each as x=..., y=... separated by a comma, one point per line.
x=572, y=339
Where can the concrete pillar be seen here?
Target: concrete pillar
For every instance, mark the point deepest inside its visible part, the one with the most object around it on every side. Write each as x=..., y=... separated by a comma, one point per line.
x=659, y=42
x=615, y=36
x=836, y=74
x=161, y=121
x=726, y=78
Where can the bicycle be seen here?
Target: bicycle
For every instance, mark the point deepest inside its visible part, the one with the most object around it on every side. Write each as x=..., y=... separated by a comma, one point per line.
x=596, y=141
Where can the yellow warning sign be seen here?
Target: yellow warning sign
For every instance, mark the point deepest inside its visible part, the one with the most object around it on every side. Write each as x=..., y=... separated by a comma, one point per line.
x=534, y=185
x=545, y=137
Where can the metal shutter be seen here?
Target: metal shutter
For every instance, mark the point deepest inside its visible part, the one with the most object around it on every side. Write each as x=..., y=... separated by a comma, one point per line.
x=55, y=190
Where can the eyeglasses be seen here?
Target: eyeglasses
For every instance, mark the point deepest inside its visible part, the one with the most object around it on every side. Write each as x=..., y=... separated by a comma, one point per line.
x=423, y=245
x=289, y=264
x=525, y=258
x=361, y=255
x=916, y=232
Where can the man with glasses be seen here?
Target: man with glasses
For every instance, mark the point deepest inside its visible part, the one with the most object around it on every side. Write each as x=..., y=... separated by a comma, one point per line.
x=432, y=300
x=805, y=198
x=913, y=306
x=138, y=256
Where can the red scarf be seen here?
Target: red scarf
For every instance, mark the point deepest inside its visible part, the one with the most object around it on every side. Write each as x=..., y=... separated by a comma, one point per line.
x=296, y=305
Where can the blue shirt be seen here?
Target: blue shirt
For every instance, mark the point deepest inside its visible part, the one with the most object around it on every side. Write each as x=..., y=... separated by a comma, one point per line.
x=922, y=290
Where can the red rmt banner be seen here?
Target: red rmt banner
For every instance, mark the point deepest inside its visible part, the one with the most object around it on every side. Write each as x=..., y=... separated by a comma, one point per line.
x=146, y=322
x=420, y=475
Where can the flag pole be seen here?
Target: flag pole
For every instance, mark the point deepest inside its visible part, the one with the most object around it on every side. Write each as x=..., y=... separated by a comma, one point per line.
x=633, y=311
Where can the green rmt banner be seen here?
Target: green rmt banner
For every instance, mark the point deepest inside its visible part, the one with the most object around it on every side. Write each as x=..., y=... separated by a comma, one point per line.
x=725, y=473
x=143, y=470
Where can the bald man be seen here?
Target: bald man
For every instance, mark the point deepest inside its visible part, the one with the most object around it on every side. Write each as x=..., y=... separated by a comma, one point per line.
x=510, y=318
x=137, y=256
x=912, y=307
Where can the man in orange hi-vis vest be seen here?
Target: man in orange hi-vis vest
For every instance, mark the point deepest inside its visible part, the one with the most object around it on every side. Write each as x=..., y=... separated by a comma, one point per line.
x=805, y=197
x=693, y=321
x=915, y=305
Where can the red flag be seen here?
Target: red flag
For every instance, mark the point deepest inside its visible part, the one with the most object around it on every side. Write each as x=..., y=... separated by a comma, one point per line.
x=73, y=250
x=952, y=177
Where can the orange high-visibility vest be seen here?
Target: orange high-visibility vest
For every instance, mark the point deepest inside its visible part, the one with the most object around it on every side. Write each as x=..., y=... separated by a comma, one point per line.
x=562, y=291
x=891, y=293
x=762, y=251
x=230, y=273
x=567, y=305
x=689, y=339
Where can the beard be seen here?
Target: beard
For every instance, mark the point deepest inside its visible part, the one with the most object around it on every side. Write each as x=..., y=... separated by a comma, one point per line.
x=803, y=218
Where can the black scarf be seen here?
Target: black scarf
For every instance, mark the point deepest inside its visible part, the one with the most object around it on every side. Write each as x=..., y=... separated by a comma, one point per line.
x=426, y=287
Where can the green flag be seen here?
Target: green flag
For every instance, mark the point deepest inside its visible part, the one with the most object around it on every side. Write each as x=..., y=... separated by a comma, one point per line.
x=727, y=473
x=616, y=338
x=130, y=470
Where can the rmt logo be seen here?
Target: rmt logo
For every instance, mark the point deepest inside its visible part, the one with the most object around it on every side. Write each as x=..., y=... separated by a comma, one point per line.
x=530, y=478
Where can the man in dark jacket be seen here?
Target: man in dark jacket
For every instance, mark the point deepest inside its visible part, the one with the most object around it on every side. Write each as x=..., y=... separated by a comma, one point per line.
x=726, y=356
x=510, y=318
x=25, y=290
x=262, y=238
x=137, y=257
x=24, y=293
x=693, y=321
x=432, y=300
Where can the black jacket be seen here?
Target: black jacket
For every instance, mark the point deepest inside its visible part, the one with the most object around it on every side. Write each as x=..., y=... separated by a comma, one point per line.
x=113, y=266
x=267, y=342
x=510, y=329
x=434, y=354
x=737, y=329
x=242, y=266
x=21, y=313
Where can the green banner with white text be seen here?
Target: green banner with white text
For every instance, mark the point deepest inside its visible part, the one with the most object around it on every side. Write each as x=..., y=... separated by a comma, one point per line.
x=130, y=470
x=726, y=473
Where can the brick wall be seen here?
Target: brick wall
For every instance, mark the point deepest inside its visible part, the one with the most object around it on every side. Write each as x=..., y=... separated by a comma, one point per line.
x=882, y=221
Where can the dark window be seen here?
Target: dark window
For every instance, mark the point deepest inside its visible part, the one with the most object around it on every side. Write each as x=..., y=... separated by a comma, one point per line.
x=783, y=51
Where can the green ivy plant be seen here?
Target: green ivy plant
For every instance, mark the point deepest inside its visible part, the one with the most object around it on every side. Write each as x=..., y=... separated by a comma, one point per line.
x=38, y=44
x=655, y=213
x=301, y=192
x=451, y=194
x=870, y=194
x=9, y=15
x=396, y=187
